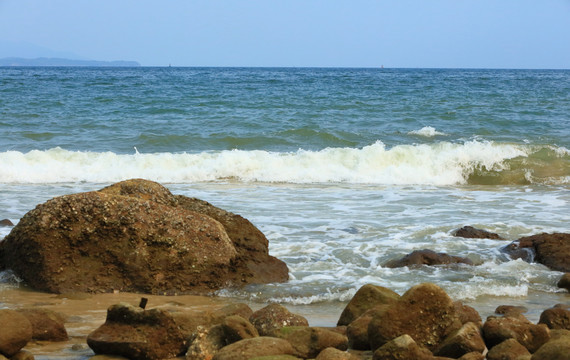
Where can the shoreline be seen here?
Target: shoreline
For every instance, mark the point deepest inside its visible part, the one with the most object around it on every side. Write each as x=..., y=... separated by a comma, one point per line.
x=86, y=312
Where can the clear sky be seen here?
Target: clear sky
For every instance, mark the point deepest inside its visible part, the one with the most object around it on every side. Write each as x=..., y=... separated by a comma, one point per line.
x=348, y=33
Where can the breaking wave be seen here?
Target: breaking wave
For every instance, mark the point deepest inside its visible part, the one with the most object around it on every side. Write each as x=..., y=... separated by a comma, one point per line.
x=442, y=163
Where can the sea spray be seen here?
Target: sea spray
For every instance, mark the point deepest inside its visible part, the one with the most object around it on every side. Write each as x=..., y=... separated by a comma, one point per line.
x=440, y=163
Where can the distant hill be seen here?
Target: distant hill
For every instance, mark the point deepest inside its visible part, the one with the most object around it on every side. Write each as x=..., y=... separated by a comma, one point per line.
x=44, y=61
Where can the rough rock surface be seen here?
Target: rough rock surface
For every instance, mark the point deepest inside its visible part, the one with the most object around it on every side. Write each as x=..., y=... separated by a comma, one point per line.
x=335, y=354
x=206, y=343
x=250, y=348
x=138, y=334
x=510, y=310
x=15, y=332
x=463, y=341
x=402, y=348
x=427, y=257
x=552, y=250
x=557, y=317
x=308, y=342
x=273, y=317
x=136, y=236
x=509, y=349
x=47, y=325
x=473, y=233
x=237, y=328
x=367, y=297
x=357, y=331
x=516, y=326
x=425, y=312
x=558, y=348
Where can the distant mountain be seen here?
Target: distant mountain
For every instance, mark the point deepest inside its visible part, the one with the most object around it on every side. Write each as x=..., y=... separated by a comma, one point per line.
x=44, y=61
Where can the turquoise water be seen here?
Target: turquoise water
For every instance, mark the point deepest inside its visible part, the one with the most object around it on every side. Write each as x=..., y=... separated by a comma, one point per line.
x=342, y=169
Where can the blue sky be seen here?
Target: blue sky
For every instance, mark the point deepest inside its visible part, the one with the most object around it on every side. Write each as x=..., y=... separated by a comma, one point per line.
x=355, y=33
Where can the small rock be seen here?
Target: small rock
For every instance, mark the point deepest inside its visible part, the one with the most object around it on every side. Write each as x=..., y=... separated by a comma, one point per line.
x=308, y=342
x=335, y=354
x=237, y=328
x=556, y=318
x=357, y=331
x=463, y=341
x=557, y=348
x=510, y=309
x=564, y=282
x=138, y=334
x=509, y=349
x=498, y=329
x=16, y=332
x=255, y=347
x=472, y=233
x=275, y=316
x=47, y=325
x=427, y=257
x=206, y=343
x=22, y=355
x=467, y=313
x=400, y=348
x=367, y=297
x=6, y=222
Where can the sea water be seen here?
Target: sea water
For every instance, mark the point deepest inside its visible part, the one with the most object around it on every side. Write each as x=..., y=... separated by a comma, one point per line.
x=342, y=169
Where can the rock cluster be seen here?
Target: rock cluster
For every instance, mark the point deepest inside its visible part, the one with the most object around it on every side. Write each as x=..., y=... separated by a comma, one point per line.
x=136, y=236
x=423, y=323
x=378, y=324
x=21, y=326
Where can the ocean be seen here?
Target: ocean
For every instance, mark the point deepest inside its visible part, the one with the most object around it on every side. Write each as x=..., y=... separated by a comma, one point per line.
x=342, y=169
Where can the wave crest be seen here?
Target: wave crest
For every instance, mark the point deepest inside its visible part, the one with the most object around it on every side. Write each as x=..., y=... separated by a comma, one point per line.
x=442, y=163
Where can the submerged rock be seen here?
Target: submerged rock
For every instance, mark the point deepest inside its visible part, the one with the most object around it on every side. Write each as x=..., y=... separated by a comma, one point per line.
x=552, y=250
x=472, y=233
x=564, y=282
x=136, y=236
x=427, y=257
x=6, y=223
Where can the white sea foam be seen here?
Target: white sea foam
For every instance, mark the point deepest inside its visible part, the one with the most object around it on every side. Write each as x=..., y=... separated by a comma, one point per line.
x=426, y=131
x=442, y=163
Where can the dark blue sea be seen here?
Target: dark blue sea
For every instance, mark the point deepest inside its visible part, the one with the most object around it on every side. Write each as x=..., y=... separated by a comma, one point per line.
x=342, y=169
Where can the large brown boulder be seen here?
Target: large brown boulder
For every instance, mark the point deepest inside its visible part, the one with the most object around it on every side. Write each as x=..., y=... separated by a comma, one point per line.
x=15, y=333
x=515, y=326
x=138, y=334
x=273, y=317
x=425, y=312
x=136, y=236
x=427, y=257
x=552, y=250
